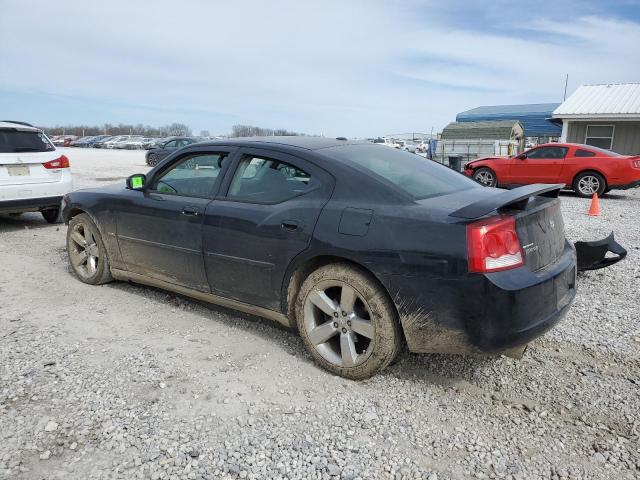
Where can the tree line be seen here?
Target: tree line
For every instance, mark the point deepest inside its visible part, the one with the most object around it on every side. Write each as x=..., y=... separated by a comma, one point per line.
x=252, y=131
x=174, y=129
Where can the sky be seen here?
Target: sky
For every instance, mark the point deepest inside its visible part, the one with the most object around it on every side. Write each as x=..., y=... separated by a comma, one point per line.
x=352, y=68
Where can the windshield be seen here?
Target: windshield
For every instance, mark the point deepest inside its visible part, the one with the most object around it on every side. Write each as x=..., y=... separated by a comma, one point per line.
x=15, y=141
x=418, y=176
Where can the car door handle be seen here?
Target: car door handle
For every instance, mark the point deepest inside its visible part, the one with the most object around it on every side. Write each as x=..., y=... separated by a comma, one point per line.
x=290, y=225
x=191, y=210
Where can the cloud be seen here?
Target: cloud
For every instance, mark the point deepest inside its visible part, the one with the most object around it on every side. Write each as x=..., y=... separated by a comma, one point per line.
x=340, y=68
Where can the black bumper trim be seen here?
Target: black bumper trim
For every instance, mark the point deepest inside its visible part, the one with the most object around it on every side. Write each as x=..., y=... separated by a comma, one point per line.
x=30, y=204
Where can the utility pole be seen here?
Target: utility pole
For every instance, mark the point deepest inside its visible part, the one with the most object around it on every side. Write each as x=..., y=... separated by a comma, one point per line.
x=566, y=81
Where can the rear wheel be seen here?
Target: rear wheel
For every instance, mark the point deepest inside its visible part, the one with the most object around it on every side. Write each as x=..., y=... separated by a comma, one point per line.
x=52, y=215
x=87, y=253
x=588, y=183
x=347, y=321
x=485, y=176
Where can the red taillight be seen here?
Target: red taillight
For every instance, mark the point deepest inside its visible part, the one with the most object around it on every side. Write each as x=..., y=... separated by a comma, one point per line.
x=62, y=162
x=493, y=245
x=635, y=163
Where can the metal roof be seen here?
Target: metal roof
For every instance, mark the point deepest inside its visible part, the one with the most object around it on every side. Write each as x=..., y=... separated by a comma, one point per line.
x=488, y=130
x=534, y=117
x=501, y=110
x=614, y=100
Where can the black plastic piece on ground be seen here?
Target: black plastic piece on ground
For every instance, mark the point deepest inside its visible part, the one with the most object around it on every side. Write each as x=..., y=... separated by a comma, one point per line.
x=591, y=255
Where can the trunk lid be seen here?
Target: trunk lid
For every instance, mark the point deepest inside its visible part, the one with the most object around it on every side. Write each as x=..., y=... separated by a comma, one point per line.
x=26, y=168
x=541, y=232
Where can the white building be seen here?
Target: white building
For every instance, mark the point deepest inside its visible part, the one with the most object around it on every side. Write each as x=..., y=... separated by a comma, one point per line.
x=605, y=116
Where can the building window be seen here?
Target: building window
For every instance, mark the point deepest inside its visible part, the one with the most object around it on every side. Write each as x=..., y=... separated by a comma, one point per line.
x=600, y=136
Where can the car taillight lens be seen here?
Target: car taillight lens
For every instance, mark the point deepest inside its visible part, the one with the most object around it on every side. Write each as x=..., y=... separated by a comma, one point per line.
x=62, y=162
x=635, y=163
x=493, y=245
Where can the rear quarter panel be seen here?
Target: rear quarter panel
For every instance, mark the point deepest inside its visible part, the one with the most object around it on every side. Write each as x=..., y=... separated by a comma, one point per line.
x=613, y=169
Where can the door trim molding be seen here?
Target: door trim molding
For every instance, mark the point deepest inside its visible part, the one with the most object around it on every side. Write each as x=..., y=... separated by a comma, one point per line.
x=158, y=244
x=125, y=276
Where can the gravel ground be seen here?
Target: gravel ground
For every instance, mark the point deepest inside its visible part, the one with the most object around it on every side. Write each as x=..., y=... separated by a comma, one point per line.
x=124, y=381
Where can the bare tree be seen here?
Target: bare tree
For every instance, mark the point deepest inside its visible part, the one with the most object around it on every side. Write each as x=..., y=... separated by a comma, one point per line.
x=252, y=131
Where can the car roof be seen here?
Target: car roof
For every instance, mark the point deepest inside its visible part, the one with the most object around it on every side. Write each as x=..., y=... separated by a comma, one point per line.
x=18, y=126
x=299, y=142
x=556, y=144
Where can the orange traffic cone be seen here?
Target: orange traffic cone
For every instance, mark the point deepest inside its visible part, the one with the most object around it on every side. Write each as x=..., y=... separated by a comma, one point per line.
x=594, y=209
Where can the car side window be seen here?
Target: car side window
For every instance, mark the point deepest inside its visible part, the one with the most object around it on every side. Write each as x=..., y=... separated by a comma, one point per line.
x=584, y=153
x=548, y=152
x=265, y=180
x=171, y=144
x=192, y=176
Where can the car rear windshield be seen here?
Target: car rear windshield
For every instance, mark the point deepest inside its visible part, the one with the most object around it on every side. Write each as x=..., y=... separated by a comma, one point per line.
x=16, y=141
x=416, y=175
x=602, y=151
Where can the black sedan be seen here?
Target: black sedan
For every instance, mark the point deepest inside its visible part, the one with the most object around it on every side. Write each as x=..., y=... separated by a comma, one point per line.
x=166, y=147
x=359, y=247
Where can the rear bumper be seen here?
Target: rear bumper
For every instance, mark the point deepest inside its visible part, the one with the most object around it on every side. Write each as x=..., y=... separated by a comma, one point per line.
x=490, y=313
x=30, y=204
x=625, y=186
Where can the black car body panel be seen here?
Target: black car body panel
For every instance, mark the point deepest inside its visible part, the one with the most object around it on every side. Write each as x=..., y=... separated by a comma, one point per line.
x=253, y=256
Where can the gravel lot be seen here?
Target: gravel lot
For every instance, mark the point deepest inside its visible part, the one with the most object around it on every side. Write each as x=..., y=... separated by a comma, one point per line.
x=124, y=381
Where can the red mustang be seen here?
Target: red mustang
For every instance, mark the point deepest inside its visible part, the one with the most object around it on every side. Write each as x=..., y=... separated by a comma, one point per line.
x=583, y=168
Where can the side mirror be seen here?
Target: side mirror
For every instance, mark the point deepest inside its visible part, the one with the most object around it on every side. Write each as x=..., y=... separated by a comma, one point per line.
x=522, y=156
x=136, y=182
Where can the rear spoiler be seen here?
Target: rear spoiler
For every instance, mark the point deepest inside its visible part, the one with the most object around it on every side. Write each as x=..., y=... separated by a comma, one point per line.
x=507, y=198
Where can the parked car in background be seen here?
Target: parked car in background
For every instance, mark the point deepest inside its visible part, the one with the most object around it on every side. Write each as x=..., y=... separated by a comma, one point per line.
x=149, y=142
x=582, y=168
x=133, y=142
x=166, y=147
x=410, y=147
x=81, y=142
x=114, y=141
x=97, y=139
x=64, y=140
x=102, y=142
x=273, y=226
x=33, y=175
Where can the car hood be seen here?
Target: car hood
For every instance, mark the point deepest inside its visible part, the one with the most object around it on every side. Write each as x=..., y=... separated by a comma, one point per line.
x=110, y=188
x=488, y=158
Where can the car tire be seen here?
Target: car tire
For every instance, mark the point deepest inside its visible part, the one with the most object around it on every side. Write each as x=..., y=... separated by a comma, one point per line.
x=52, y=215
x=486, y=177
x=347, y=321
x=152, y=161
x=587, y=183
x=87, y=253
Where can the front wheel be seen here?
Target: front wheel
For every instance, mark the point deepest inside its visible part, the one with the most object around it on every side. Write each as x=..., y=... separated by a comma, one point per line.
x=588, y=183
x=87, y=253
x=485, y=176
x=152, y=161
x=347, y=321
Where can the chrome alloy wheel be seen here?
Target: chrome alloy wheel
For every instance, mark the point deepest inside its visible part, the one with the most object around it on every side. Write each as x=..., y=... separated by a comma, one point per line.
x=589, y=184
x=485, y=177
x=338, y=323
x=84, y=251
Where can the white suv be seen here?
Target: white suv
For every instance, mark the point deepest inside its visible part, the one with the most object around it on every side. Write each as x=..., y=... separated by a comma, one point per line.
x=33, y=175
